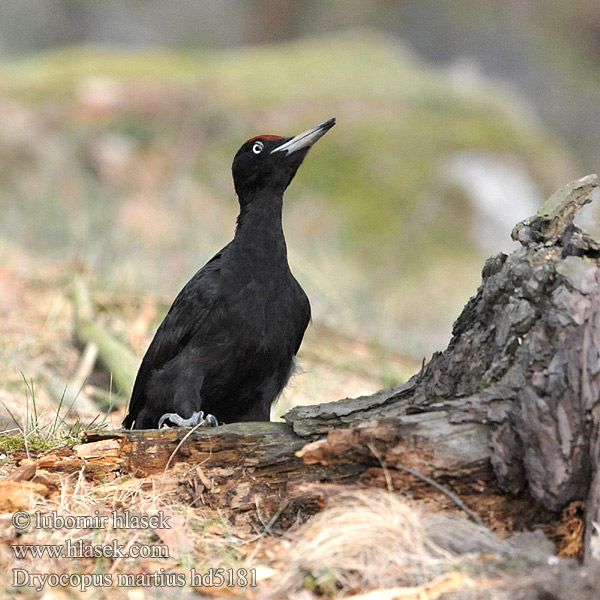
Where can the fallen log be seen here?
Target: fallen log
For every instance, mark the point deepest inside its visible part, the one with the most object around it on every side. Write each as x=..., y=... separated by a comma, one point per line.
x=508, y=416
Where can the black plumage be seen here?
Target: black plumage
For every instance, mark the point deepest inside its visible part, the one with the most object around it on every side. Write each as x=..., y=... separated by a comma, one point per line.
x=227, y=346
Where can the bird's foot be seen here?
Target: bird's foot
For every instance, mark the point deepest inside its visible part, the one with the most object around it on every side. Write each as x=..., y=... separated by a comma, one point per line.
x=197, y=419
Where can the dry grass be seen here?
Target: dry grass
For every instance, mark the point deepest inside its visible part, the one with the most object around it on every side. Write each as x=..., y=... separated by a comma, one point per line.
x=192, y=538
x=375, y=539
x=367, y=539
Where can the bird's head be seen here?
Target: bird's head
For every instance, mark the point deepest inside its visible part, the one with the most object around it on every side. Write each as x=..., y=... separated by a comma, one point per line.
x=269, y=162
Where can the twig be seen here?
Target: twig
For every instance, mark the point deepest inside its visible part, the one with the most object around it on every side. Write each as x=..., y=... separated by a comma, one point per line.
x=444, y=491
x=183, y=439
x=427, y=480
x=86, y=365
x=386, y=472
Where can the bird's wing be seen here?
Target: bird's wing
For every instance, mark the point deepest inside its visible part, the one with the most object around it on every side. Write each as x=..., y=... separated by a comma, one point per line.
x=187, y=314
x=302, y=318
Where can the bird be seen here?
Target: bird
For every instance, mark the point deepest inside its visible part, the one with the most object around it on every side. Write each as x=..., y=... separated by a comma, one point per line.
x=227, y=346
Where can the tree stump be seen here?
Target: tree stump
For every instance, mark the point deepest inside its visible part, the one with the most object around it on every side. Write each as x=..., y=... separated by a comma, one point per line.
x=523, y=362
x=510, y=408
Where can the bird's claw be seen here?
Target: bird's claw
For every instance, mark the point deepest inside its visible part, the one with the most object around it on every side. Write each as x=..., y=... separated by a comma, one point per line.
x=196, y=420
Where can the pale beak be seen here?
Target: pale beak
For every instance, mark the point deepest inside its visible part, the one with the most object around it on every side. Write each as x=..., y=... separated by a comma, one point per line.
x=305, y=139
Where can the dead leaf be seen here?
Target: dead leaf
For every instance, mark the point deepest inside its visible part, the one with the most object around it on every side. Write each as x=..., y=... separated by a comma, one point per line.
x=20, y=495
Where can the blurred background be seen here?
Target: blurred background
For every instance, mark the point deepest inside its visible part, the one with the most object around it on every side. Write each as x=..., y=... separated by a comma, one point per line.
x=119, y=121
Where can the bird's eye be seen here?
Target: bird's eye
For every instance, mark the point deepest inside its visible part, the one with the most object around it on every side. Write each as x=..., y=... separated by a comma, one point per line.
x=257, y=148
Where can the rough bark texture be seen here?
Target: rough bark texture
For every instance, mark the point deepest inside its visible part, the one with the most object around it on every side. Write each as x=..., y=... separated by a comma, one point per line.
x=513, y=401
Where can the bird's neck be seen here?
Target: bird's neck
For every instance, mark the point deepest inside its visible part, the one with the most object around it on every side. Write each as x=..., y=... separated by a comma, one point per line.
x=259, y=231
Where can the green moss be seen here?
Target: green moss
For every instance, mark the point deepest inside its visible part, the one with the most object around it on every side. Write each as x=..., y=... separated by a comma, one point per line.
x=55, y=75
x=34, y=443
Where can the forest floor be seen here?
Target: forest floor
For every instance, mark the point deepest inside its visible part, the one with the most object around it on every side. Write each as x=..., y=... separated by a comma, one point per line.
x=66, y=530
